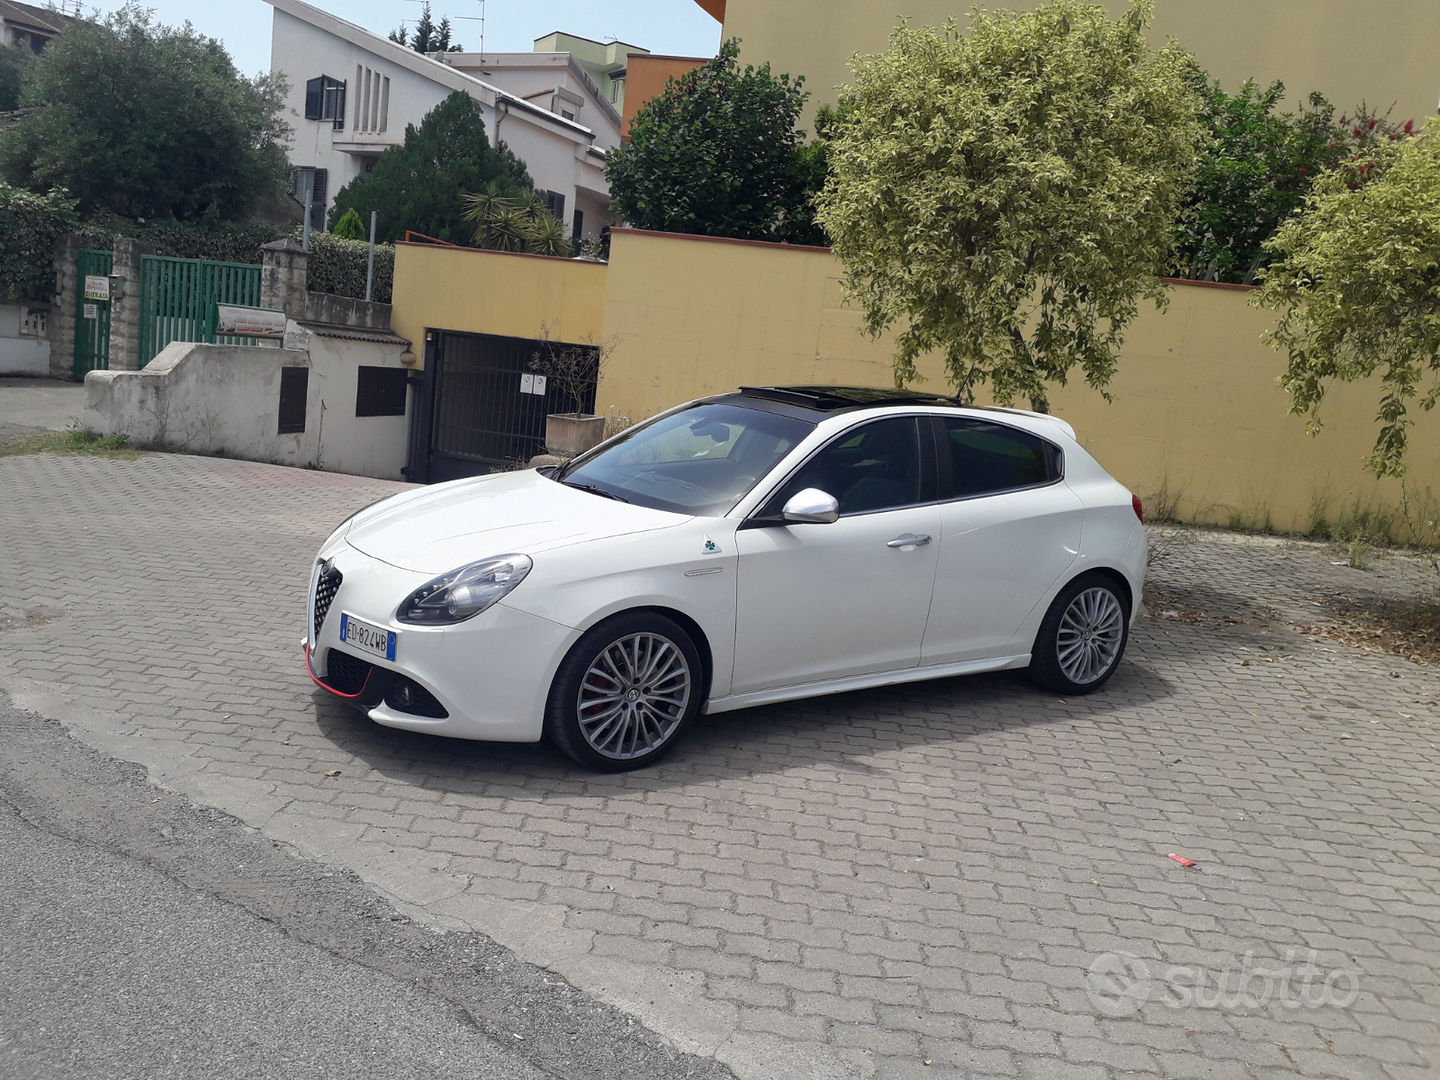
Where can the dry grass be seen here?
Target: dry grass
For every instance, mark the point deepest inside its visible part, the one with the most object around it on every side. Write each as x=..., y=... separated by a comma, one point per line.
x=72, y=442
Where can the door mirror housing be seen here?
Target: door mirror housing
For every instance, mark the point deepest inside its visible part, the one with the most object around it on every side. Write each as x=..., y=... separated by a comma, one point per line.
x=811, y=507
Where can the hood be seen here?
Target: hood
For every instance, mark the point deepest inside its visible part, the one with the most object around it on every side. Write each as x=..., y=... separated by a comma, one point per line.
x=437, y=529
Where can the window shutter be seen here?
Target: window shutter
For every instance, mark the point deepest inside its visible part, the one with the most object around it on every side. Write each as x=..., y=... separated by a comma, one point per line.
x=314, y=98
x=317, y=201
x=294, y=389
x=340, y=106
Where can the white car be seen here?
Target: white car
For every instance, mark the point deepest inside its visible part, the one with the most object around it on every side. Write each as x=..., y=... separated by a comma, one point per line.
x=755, y=547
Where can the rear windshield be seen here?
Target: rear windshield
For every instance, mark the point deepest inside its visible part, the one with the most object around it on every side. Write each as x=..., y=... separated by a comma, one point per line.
x=699, y=461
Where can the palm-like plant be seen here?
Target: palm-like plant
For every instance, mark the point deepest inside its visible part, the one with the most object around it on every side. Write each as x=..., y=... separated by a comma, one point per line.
x=505, y=223
x=547, y=236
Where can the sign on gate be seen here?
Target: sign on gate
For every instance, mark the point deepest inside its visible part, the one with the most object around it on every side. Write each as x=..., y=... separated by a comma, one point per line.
x=92, y=311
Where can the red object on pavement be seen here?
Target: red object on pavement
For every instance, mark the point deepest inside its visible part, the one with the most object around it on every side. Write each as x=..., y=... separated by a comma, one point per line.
x=1181, y=859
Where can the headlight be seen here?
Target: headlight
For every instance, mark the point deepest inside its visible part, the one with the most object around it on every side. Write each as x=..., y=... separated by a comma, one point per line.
x=464, y=593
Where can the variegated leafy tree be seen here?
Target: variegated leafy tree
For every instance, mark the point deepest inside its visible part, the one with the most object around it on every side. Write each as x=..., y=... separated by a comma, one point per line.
x=1356, y=278
x=1007, y=198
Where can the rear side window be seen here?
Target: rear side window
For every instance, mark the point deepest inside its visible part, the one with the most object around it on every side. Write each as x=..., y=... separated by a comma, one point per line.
x=985, y=458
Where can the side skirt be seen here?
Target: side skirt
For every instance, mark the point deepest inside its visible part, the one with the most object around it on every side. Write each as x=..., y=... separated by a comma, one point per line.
x=864, y=682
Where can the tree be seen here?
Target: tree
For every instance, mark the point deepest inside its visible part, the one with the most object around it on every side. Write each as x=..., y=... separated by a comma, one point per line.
x=429, y=37
x=1253, y=173
x=348, y=226
x=418, y=184
x=716, y=153
x=1256, y=170
x=144, y=120
x=1356, y=278
x=1009, y=198
x=15, y=65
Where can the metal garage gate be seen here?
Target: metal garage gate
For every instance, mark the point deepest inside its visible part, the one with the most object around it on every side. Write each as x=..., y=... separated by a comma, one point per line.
x=474, y=417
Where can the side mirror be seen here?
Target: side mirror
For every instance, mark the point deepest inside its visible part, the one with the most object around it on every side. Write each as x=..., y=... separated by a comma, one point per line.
x=811, y=507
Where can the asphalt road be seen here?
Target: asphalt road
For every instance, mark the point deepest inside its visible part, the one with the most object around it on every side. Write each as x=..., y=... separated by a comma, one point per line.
x=144, y=936
x=28, y=406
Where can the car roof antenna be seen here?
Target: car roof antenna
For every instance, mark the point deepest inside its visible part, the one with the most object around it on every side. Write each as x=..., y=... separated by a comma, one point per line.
x=959, y=398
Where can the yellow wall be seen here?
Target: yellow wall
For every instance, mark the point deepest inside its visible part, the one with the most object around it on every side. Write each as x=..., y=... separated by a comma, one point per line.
x=1196, y=409
x=492, y=292
x=1382, y=51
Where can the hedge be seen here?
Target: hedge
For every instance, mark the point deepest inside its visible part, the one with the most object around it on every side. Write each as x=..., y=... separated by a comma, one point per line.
x=29, y=226
x=215, y=241
x=338, y=266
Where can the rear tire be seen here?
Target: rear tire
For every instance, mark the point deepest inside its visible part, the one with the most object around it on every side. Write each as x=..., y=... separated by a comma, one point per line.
x=1083, y=636
x=625, y=693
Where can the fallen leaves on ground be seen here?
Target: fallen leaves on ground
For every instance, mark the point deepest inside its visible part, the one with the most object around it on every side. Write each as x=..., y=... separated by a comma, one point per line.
x=1408, y=630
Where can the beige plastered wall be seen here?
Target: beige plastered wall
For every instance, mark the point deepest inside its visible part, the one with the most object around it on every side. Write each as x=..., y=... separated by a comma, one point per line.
x=1196, y=419
x=1382, y=51
x=483, y=292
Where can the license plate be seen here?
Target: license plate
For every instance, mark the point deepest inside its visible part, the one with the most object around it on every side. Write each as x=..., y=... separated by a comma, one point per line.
x=367, y=637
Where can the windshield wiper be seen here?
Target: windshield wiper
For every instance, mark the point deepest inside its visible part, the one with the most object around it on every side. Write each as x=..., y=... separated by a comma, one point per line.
x=596, y=491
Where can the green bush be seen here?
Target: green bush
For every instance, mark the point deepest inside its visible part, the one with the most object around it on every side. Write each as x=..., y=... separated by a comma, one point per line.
x=337, y=266
x=349, y=227
x=217, y=241
x=29, y=226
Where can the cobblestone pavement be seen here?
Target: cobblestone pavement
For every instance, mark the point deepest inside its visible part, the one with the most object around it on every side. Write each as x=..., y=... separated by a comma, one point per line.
x=895, y=883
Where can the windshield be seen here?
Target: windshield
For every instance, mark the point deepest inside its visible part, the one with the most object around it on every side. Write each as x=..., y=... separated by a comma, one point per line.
x=699, y=461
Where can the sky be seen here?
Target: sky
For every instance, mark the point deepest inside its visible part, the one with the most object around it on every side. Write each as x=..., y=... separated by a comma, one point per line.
x=678, y=27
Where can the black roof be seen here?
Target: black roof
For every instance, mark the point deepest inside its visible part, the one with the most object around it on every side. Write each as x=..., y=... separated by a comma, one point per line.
x=838, y=398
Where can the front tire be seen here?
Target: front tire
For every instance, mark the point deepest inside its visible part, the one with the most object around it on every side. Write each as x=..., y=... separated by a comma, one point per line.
x=1082, y=637
x=625, y=693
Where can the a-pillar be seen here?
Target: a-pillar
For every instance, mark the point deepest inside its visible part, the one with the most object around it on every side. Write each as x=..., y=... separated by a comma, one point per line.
x=283, y=278
x=125, y=303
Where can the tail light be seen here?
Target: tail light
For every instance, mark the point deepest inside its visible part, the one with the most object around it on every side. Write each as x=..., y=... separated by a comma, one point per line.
x=1139, y=508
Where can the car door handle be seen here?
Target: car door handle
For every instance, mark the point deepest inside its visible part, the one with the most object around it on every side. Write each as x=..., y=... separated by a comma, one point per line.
x=907, y=541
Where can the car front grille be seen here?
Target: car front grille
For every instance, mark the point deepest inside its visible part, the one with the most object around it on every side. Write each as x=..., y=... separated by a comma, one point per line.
x=345, y=674
x=325, y=589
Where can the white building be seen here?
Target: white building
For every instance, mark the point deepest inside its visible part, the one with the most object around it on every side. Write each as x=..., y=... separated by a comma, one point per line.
x=352, y=93
x=25, y=26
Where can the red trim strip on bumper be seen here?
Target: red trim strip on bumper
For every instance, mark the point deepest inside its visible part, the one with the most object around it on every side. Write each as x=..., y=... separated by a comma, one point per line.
x=315, y=679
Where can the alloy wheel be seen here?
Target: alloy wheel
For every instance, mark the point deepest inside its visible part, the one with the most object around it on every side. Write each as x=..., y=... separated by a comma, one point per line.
x=633, y=696
x=1090, y=636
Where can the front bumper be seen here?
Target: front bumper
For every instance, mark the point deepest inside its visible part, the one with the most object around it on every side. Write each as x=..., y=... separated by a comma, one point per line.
x=486, y=678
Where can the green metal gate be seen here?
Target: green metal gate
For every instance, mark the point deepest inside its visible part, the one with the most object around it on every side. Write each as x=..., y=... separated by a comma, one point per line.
x=92, y=317
x=176, y=297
